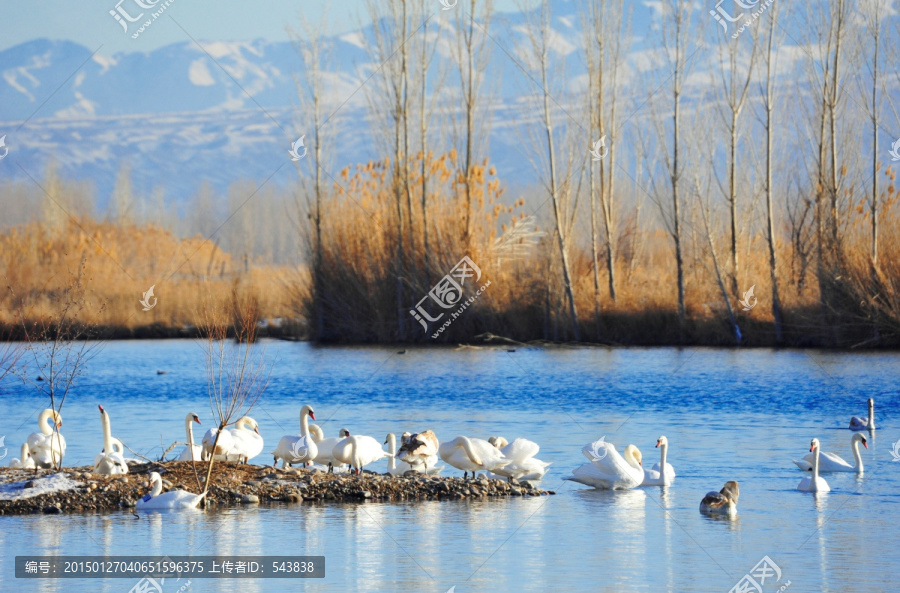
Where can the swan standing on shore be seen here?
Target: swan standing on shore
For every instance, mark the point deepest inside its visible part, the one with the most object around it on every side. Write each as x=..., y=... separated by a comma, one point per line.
x=26, y=462
x=174, y=499
x=47, y=447
x=246, y=441
x=109, y=462
x=662, y=473
x=191, y=452
x=857, y=423
x=300, y=448
x=723, y=502
x=523, y=464
x=326, y=446
x=472, y=455
x=814, y=483
x=420, y=452
x=222, y=447
x=831, y=462
x=608, y=470
x=359, y=451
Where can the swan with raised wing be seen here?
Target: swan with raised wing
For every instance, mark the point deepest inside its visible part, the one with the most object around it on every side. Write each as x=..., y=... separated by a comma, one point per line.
x=832, y=462
x=723, y=502
x=857, y=423
x=26, y=462
x=109, y=462
x=814, y=483
x=246, y=441
x=662, y=473
x=420, y=452
x=48, y=446
x=299, y=448
x=472, y=455
x=191, y=452
x=608, y=470
x=358, y=451
x=172, y=500
x=523, y=465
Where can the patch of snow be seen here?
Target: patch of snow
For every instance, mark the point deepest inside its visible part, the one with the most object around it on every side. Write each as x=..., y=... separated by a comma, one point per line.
x=199, y=74
x=45, y=485
x=354, y=38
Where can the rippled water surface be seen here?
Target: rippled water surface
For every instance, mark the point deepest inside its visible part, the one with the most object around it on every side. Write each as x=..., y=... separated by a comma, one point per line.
x=739, y=415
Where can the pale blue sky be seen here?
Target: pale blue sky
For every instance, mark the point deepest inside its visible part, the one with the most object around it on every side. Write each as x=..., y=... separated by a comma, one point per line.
x=90, y=24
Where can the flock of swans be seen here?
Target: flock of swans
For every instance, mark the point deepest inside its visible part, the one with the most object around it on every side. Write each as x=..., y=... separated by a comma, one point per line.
x=421, y=452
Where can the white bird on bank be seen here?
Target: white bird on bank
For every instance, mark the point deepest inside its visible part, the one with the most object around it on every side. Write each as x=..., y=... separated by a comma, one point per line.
x=192, y=452
x=831, y=462
x=359, y=451
x=300, y=448
x=523, y=464
x=109, y=462
x=173, y=500
x=662, y=473
x=857, y=423
x=246, y=441
x=326, y=446
x=814, y=483
x=420, y=452
x=608, y=470
x=48, y=446
x=222, y=446
x=472, y=455
x=26, y=462
x=723, y=502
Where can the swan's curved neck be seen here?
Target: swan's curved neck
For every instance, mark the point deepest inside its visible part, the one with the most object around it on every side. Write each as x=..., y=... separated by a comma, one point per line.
x=107, y=433
x=189, y=430
x=42, y=421
x=304, y=423
x=466, y=444
x=24, y=452
x=156, y=490
x=857, y=455
x=392, y=449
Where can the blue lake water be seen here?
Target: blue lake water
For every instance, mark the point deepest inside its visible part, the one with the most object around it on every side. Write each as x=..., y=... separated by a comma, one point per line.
x=728, y=414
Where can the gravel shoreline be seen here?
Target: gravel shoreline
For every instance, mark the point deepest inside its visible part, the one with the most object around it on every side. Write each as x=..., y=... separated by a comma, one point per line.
x=234, y=484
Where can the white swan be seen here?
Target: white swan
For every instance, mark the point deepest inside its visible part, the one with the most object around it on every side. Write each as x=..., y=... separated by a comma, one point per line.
x=831, y=462
x=857, y=423
x=174, y=499
x=300, y=448
x=723, y=502
x=325, y=455
x=359, y=451
x=26, y=462
x=657, y=476
x=223, y=446
x=608, y=469
x=814, y=483
x=391, y=442
x=47, y=447
x=420, y=452
x=191, y=452
x=246, y=441
x=523, y=465
x=472, y=455
x=109, y=462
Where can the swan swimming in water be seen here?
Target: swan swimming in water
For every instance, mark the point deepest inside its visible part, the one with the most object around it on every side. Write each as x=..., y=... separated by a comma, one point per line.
x=608, y=470
x=857, y=423
x=300, y=448
x=814, y=483
x=192, y=452
x=831, y=462
x=723, y=502
x=174, y=499
x=109, y=462
x=657, y=476
x=48, y=446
